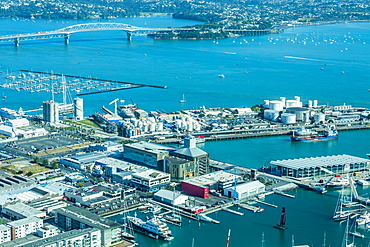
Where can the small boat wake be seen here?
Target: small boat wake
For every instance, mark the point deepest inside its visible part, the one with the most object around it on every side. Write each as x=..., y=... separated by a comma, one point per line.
x=303, y=58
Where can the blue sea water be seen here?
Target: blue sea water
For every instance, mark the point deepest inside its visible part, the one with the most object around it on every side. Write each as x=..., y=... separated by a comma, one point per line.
x=327, y=63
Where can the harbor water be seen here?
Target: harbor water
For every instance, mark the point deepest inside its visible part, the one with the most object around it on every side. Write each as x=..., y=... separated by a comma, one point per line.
x=325, y=63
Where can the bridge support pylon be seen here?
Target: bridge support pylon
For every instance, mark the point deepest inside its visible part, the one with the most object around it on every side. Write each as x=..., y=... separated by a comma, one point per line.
x=129, y=36
x=16, y=42
x=66, y=38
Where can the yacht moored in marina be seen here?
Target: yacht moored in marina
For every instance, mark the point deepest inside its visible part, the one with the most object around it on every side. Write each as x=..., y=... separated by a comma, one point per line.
x=153, y=227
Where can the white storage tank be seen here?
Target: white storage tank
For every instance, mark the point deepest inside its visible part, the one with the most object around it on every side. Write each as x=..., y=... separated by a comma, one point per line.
x=293, y=103
x=297, y=98
x=267, y=114
x=315, y=102
x=288, y=118
x=301, y=113
x=276, y=105
x=319, y=118
x=283, y=101
x=272, y=115
x=310, y=103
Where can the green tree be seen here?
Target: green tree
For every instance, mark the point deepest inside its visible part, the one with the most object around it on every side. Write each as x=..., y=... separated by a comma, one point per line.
x=29, y=174
x=36, y=159
x=45, y=162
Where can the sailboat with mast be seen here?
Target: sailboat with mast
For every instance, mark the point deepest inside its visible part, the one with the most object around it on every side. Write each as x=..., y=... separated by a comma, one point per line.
x=183, y=99
x=339, y=213
x=345, y=242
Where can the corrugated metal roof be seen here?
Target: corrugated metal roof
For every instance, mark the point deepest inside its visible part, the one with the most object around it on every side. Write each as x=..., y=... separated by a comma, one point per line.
x=191, y=152
x=323, y=161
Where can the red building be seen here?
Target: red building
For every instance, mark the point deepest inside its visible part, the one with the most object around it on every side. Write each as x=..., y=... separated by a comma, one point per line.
x=194, y=189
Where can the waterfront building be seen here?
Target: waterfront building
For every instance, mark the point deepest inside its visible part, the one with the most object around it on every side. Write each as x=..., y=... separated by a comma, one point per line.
x=192, y=153
x=23, y=227
x=217, y=181
x=16, y=123
x=72, y=217
x=5, y=234
x=316, y=166
x=170, y=197
x=21, y=211
x=245, y=190
x=150, y=180
x=8, y=113
x=147, y=153
x=50, y=111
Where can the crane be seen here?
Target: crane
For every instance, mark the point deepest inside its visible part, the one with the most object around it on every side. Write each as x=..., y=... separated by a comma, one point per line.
x=115, y=105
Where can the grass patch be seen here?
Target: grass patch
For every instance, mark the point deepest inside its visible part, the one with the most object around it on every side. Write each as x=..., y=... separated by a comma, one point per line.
x=25, y=168
x=88, y=122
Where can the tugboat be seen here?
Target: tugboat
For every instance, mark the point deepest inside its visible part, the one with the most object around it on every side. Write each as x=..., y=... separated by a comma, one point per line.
x=282, y=225
x=306, y=135
x=153, y=227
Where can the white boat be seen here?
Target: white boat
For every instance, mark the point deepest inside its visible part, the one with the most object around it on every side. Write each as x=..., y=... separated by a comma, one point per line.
x=363, y=182
x=206, y=218
x=363, y=219
x=221, y=76
x=339, y=183
x=339, y=213
x=153, y=227
x=183, y=99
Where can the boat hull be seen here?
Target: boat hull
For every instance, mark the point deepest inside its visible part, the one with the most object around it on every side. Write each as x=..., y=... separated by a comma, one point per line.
x=312, y=139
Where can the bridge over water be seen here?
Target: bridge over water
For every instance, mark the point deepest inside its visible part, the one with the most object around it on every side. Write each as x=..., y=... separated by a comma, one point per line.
x=67, y=31
x=128, y=29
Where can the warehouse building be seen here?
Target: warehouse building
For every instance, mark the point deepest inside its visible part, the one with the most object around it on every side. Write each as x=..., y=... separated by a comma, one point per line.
x=245, y=190
x=316, y=166
x=170, y=197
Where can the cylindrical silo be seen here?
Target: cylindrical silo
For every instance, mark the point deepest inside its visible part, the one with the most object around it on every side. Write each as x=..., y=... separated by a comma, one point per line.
x=276, y=105
x=301, y=113
x=288, y=118
x=283, y=100
x=319, y=118
x=297, y=98
x=315, y=103
x=310, y=103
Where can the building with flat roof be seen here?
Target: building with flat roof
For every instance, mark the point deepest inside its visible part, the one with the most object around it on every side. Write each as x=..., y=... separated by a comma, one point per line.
x=50, y=111
x=218, y=181
x=170, y=197
x=316, y=166
x=150, y=180
x=245, y=190
x=21, y=211
x=23, y=227
x=107, y=147
x=90, y=237
x=147, y=153
x=73, y=217
x=82, y=161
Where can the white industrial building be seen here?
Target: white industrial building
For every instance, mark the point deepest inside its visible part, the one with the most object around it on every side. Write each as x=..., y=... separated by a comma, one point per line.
x=170, y=197
x=316, y=166
x=245, y=190
x=47, y=231
x=16, y=123
x=79, y=108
